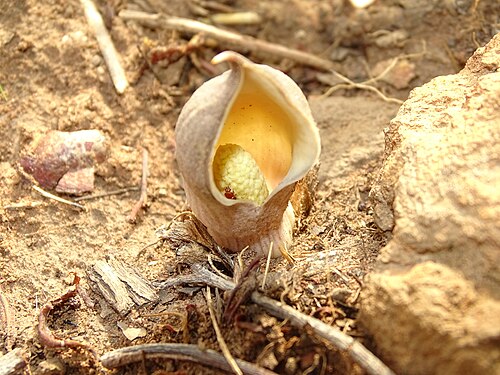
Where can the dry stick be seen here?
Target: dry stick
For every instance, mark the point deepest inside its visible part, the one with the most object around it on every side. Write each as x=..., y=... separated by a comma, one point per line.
x=143, y=199
x=365, y=85
x=355, y=349
x=238, y=42
x=45, y=336
x=360, y=354
x=56, y=198
x=220, y=339
x=106, y=45
x=106, y=194
x=268, y=262
x=12, y=363
x=245, y=43
x=6, y=320
x=186, y=352
x=353, y=85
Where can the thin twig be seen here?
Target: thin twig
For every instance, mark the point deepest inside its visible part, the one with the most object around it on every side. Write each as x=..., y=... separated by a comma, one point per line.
x=56, y=198
x=21, y=205
x=268, y=262
x=106, y=194
x=365, y=85
x=339, y=274
x=359, y=353
x=216, y=270
x=106, y=45
x=12, y=363
x=143, y=199
x=45, y=336
x=237, y=41
x=353, y=85
x=7, y=320
x=220, y=339
x=355, y=349
x=186, y=352
x=242, y=290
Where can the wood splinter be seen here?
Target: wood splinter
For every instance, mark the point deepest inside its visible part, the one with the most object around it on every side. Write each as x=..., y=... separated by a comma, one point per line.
x=143, y=199
x=13, y=362
x=106, y=45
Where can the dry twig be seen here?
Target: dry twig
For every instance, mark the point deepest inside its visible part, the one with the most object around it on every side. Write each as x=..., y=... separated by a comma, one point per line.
x=359, y=353
x=106, y=45
x=362, y=86
x=365, y=85
x=12, y=363
x=237, y=41
x=240, y=293
x=7, y=319
x=106, y=194
x=45, y=336
x=220, y=339
x=268, y=262
x=143, y=199
x=56, y=198
x=186, y=352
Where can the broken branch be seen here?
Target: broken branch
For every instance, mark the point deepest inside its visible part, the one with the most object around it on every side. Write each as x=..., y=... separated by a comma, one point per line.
x=358, y=352
x=12, y=362
x=6, y=318
x=220, y=339
x=186, y=352
x=143, y=199
x=106, y=45
x=45, y=335
x=234, y=40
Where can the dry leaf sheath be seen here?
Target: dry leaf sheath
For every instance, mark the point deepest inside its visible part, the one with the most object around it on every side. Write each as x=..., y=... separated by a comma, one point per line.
x=243, y=141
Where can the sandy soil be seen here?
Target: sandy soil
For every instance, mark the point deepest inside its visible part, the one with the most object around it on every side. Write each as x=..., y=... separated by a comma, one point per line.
x=53, y=77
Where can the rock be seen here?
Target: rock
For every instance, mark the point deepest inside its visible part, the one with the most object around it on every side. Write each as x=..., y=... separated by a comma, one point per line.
x=399, y=76
x=51, y=366
x=131, y=333
x=433, y=302
x=65, y=161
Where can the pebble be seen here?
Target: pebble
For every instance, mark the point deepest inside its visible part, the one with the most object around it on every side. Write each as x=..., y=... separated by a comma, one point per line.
x=339, y=54
x=96, y=60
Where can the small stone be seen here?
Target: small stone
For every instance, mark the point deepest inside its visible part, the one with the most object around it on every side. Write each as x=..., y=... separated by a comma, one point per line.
x=291, y=365
x=66, y=39
x=51, y=366
x=69, y=11
x=101, y=71
x=131, y=333
x=391, y=39
x=162, y=192
x=339, y=54
x=399, y=76
x=340, y=294
x=269, y=361
x=6, y=37
x=96, y=60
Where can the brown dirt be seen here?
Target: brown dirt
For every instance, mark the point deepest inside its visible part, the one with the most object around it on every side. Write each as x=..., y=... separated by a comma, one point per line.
x=52, y=77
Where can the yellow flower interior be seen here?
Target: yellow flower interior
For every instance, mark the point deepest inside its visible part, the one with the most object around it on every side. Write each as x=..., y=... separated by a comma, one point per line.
x=261, y=127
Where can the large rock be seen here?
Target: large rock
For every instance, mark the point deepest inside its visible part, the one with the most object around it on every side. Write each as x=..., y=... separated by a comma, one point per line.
x=433, y=303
